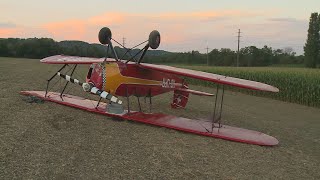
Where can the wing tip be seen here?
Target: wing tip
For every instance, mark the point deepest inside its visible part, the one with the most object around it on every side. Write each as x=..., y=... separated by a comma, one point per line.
x=276, y=90
x=272, y=89
x=47, y=59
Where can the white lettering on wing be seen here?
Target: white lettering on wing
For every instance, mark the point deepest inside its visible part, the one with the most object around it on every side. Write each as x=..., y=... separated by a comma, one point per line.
x=168, y=83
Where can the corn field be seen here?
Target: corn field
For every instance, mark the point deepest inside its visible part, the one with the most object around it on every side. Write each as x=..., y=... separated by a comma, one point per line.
x=296, y=85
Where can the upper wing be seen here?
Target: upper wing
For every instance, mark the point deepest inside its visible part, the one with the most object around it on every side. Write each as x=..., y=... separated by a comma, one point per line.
x=62, y=59
x=242, y=83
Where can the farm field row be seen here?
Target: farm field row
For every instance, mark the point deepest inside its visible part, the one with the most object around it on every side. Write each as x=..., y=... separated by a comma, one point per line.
x=297, y=85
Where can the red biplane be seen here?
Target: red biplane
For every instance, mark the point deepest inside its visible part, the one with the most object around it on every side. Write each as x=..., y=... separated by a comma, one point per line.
x=110, y=78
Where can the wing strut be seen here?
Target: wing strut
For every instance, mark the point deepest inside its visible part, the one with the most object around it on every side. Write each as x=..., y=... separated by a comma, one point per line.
x=55, y=74
x=218, y=106
x=65, y=86
x=150, y=101
x=128, y=99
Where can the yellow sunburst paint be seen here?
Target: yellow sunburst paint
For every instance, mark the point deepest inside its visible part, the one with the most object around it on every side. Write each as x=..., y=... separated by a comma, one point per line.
x=114, y=79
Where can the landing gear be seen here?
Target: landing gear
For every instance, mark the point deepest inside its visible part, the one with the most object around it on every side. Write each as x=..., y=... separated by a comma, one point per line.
x=138, y=100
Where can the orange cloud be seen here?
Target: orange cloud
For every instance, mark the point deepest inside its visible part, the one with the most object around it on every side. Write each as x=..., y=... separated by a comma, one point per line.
x=205, y=15
x=70, y=29
x=8, y=32
x=107, y=18
x=78, y=29
x=229, y=13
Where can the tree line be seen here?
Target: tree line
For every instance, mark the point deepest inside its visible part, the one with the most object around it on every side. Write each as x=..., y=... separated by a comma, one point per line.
x=312, y=46
x=249, y=56
x=44, y=47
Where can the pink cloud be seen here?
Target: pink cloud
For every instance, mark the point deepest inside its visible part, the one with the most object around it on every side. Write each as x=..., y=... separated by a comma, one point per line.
x=108, y=18
x=8, y=32
x=70, y=29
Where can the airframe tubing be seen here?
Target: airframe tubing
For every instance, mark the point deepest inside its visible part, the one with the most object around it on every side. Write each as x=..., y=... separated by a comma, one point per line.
x=128, y=100
x=53, y=77
x=220, y=116
x=144, y=53
x=113, y=50
x=65, y=86
x=216, y=108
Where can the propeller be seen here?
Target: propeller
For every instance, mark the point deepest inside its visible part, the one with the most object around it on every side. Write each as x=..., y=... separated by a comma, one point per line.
x=89, y=87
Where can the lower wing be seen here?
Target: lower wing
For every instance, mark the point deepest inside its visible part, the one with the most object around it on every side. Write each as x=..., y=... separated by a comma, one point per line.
x=62, y=59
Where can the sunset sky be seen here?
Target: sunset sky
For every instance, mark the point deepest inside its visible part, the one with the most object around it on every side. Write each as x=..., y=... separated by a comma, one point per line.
x=184, y=25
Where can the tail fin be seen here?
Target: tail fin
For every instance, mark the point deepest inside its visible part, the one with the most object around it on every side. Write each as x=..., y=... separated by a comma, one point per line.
x=181, y=96
x=180, y=99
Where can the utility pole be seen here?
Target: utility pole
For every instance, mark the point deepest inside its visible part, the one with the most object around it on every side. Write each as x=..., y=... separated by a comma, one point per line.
x=124, y=42
x=207, y=54
x=239, y=32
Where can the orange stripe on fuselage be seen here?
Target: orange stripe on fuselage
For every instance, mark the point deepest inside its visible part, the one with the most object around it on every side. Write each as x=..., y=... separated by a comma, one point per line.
x=114, y=79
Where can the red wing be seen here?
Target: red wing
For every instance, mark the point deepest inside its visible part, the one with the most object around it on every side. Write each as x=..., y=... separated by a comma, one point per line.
x=62, y=59
x=242, y=83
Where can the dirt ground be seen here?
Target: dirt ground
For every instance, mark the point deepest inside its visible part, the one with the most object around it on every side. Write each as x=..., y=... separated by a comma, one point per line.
x=50, y=141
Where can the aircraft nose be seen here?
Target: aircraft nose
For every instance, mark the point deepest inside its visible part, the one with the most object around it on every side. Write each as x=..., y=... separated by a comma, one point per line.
x=96, y=77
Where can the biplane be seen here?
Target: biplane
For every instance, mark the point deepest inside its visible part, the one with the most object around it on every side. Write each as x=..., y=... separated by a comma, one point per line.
x=114, y=80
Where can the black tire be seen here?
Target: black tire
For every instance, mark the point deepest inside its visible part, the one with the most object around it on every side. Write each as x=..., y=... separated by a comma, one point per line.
x=104, y=35
x=154, y=39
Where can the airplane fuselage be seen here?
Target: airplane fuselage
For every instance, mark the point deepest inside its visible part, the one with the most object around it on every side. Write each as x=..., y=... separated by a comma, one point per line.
x=126, y=79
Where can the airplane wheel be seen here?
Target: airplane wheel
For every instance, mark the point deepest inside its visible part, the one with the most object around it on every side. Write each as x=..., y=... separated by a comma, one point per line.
x=104, y=35
x=154, y=39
